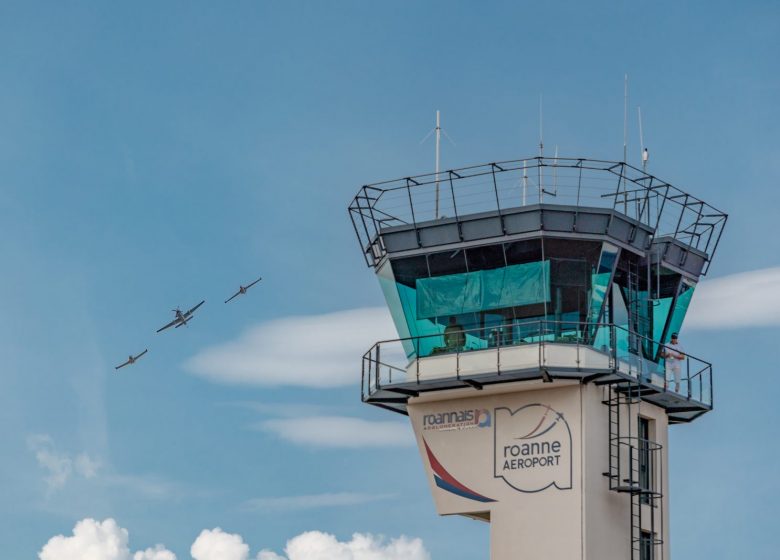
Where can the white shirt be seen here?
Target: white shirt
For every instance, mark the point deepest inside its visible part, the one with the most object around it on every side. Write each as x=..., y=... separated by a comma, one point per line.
x=674, y=353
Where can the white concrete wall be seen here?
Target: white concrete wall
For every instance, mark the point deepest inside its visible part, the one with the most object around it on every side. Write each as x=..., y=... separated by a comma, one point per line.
x=585, y=521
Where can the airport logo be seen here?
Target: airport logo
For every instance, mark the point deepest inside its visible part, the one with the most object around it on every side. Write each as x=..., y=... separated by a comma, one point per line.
x=532, y=448
x=458, y=420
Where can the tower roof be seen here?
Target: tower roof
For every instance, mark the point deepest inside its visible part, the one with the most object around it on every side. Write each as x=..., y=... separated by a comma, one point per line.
x=511, y=198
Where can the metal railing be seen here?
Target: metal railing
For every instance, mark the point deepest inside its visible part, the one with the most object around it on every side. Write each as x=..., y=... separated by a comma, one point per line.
x=624, y=352
x=497, y=187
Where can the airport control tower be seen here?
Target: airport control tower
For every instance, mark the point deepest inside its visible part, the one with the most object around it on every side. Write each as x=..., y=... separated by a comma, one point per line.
x=535, y=302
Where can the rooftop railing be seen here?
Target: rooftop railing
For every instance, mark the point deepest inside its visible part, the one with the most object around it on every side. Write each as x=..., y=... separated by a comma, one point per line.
x=587, y=347
x=497, y=187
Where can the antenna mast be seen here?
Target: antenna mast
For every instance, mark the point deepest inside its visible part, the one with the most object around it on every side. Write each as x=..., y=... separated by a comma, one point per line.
x=645, y=154
x=541, y=127
x=541, y=149
x=438, y=148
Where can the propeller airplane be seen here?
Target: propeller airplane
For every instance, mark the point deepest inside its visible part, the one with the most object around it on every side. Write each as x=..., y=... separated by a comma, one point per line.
x=182, y=318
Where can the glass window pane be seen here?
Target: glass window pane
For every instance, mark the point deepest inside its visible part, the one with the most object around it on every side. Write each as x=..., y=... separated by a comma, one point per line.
x=400, y=289
x=572, y=263
x=520, y=252
x=680, y=307
x=448, y=262
x=485, y=258
x=600, y=282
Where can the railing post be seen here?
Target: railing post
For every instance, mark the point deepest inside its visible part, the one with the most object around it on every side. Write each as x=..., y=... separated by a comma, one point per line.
x=376, y=380
x=688, y=374
x=709, y=371
x=578, y=353
x=541, y=341
x=417, y=358
x=498, y=351
x=613, y=346
x=362, y=378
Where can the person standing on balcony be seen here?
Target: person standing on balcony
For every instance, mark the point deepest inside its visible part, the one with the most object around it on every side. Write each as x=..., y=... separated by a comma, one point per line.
x=674, y=355
x=454, y=337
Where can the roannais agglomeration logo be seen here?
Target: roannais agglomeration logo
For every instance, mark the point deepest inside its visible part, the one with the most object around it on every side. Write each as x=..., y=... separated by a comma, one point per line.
x=458, y=420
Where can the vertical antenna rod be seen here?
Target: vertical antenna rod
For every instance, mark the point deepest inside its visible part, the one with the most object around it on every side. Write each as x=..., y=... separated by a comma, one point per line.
x=645, y=154
x=541, y=149
x=541, y=127
x=438, y=144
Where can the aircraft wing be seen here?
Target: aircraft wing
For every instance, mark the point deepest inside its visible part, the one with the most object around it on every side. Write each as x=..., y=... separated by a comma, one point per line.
x=191, y=311
x=253, y=283
x=168, y=325
x=120, y=366
x=233, y=296
x=141, y=354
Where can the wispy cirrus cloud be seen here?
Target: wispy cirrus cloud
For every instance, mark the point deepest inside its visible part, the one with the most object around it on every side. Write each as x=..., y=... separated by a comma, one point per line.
x=312, y=351
x=312, y=501
x=62, y=468
x=339, y=432
x=745, y=299
x=59, y=465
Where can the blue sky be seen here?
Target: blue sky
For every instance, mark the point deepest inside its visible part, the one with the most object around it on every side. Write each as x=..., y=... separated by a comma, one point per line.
x=156, y=154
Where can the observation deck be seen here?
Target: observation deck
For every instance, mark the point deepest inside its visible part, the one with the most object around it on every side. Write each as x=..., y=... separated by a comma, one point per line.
x=540, y=268
x=544, y=351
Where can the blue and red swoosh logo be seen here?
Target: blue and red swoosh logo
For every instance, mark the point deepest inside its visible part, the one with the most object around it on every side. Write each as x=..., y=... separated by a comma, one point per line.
x=446, y=481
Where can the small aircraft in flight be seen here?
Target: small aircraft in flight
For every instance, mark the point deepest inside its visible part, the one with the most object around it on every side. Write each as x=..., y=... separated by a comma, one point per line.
x=131, y=360
x=181, y=317
x=242, y=290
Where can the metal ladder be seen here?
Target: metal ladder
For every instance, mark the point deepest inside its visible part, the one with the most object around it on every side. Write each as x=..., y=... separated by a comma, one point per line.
x=632, y=464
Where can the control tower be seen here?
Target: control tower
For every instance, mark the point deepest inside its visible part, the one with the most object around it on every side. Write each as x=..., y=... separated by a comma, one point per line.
x=535, y=302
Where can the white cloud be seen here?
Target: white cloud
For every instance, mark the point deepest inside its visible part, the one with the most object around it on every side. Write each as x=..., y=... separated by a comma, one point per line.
x=86, y=466
x=339, y=431
x=106, y=540
x=314, y=501
x=159, y=552
x=215, y=544
x=747, y=299
x=148, y=486
x=91, y=540
x=269, y=555
x=58, y=465
x=61, y=467
x=313, y=351
x=315, y=545
x=98, y=540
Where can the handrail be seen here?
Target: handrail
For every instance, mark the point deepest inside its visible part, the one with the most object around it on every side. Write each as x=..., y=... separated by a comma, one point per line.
x=628, y=361
x=576, y=324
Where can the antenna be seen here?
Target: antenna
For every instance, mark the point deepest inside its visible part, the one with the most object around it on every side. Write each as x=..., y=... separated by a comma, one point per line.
x=525, y=181
x=541, y=127
x=645, y=153
x=555, y=173
x=541, y=149
x=439, y=131
x=438, y=153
